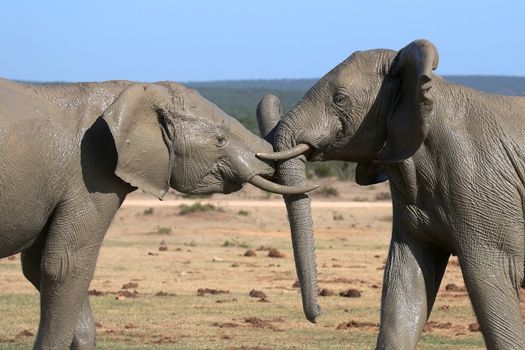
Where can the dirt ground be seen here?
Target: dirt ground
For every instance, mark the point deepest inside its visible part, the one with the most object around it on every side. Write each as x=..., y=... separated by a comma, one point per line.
x=210, y=280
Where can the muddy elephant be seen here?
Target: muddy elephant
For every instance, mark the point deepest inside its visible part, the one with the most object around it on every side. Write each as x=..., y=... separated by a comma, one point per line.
x=455, y=159
x=69, y=155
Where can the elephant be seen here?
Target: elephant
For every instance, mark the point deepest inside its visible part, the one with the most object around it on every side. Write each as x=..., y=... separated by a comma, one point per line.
x=70, y=153
x=455, y=160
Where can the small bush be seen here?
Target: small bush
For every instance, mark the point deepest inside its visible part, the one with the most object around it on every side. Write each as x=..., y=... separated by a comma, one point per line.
x=234, y=242
x=148, y=211
x=383, y=196
x=337, y=216
x=195, y=208
x=243, y=212
x=192, y=243
x=162, y=230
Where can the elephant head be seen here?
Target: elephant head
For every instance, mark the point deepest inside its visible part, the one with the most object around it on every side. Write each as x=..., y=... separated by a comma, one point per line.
x=372, y=109
x=169, y=136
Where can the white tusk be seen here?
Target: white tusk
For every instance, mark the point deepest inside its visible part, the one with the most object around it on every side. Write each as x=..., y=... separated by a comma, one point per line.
x=287, y=154
x=263, y=184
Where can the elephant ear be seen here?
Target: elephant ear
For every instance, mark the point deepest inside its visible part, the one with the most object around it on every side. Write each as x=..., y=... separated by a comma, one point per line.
x=370, y=173
x=409, y=122
x=142, y=132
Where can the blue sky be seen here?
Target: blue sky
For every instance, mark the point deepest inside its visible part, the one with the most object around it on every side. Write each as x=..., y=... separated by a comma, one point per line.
x=196, y=40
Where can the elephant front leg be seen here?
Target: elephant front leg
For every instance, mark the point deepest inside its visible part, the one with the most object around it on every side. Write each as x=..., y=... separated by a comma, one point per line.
x=412, y=277
x=67, y=265
x=85, y=333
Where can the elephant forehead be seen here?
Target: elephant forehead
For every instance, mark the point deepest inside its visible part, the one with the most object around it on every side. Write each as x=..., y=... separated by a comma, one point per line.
x=366, y=62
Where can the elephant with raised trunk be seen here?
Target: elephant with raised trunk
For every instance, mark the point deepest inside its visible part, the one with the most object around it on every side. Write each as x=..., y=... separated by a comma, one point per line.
x=69, y=155
x=455, y=159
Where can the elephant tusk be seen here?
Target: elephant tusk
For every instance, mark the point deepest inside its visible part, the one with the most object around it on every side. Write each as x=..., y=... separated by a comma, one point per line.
x=287, y=154
x=263, y=184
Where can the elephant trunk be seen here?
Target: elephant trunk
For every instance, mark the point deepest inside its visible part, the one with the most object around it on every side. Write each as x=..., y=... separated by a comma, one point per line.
x=269, y=112
x=292, y=172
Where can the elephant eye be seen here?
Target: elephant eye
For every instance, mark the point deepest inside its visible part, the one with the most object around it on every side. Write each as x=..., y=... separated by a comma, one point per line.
x=221, y=141
x=340, y=99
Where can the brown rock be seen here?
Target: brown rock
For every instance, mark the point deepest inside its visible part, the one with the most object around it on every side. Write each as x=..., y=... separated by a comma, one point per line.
x=257, y=294
x=123, y=294
x=96, y=293
x=163, y=246
x=130, y=285
x=454, y=288
x=351, y=293
x=225, y=324
x=274, y=253
x=250, y=252
x=357, y=324
x=25, y=333
x=202, y=291
x=474, y=327
x=325, y=292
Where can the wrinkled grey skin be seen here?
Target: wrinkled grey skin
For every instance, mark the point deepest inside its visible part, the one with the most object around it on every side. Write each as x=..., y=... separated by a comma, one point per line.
x=69, y=155
x=455, y=158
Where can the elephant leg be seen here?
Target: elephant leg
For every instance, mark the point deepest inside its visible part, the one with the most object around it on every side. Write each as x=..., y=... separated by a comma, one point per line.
x=84, y=337
x=493, y=284
x=67, y=265
x=412, y=277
